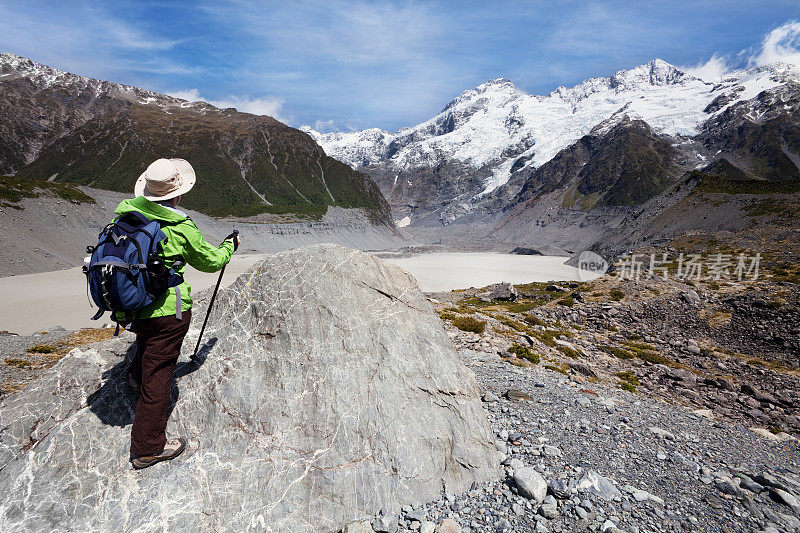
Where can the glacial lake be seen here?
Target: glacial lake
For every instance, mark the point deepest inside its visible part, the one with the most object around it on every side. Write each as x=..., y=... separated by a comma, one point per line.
x=448, y=271
x=36, y=302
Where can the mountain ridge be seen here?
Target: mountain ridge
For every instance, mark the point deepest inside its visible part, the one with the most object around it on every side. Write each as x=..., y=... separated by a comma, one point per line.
x=487, y=137
x=64, y=127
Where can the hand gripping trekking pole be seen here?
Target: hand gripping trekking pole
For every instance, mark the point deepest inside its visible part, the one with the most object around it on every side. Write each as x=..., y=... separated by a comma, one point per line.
x=194, y=359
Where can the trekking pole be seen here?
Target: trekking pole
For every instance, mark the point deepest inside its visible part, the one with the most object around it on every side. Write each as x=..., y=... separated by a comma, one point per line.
x=194, y=358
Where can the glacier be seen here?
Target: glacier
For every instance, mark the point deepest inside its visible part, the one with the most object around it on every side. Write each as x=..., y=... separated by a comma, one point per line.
x=498, y=126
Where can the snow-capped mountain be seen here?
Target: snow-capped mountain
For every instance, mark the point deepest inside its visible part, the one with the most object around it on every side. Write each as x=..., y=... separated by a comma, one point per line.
x=13, y=67
x=495, y=135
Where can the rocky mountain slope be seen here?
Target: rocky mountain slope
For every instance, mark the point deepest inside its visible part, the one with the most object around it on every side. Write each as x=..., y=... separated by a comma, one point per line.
x=585, y=160
x=328, y=391
x=30, y=209
x=62, y=127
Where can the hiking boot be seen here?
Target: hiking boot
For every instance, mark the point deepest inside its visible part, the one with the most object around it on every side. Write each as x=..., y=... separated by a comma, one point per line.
x=133, y=384
x=172, y=449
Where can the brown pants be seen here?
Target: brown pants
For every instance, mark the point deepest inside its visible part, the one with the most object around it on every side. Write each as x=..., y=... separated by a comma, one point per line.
x=158, y=345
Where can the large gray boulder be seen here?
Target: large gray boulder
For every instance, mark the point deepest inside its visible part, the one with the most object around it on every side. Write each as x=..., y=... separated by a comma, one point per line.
x=331, y=391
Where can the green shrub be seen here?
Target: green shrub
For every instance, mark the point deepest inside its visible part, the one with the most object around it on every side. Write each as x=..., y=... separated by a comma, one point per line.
x=548, y=336
x=616, y=294
x=636, y=345
x=569, y=352
x=533, y=320
x=513, y=324
x=559, y=369
x=567, y=301
x=467, y=323
x=627, y=386
x=646, y=352
x=628, y=377
x=533, y=358
x=524, y=352
x=19, y=363
x=42, y=348
x=617, y=352
x=519, y=349
x=520, y=306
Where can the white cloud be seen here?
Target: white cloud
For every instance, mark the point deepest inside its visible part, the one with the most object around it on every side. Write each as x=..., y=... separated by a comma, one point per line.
x=86, y=40
x=714, y=68
x=354, y=32
x=191, y=95
x=257, y=106
x=325, y=126
x=390, y=59
x=127, y=37
x=780, y=45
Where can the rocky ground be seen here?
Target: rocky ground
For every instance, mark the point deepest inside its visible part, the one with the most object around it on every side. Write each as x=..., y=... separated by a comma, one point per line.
x=593, y=457
x=637, y=406
x=23, y=357
x=729, y=347
x=619, y=405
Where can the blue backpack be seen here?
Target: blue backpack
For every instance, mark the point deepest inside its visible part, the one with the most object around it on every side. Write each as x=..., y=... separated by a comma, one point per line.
x=125, y=272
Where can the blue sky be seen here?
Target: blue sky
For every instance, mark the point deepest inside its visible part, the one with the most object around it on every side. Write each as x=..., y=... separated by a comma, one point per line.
x=342, y=65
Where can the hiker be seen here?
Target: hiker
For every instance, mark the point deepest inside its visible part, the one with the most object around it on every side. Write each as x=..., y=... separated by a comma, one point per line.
x=161, y=326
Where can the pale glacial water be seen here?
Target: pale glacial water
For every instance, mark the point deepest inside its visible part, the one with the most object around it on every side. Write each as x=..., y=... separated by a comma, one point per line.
x=36, y=302
x=448, y=271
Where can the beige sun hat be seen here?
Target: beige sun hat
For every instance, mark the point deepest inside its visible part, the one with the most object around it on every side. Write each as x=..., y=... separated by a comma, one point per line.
x=165, y=179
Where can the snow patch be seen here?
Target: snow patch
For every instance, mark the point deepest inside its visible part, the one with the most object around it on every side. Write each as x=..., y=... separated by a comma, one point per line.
x=483, y=126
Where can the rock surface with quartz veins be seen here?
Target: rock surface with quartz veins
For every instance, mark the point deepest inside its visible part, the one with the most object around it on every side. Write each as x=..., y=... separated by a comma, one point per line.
x=330, y=392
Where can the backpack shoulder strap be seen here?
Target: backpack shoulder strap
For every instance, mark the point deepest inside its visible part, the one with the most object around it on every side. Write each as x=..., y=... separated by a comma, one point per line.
x=136, y=214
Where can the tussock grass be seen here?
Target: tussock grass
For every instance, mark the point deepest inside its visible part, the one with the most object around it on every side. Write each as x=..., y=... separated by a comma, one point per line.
x=616, y=294
x=17, y=362
x=718, y=319
x=513, y=324
x=567, y=301
x=548, y=336
x=569, y=352
x=533, y=320
x=41, y=348
x=560, y=368
x=524, y=352
x=447, y=315
x=617, y=352
x=467, y=323
x=14, y=189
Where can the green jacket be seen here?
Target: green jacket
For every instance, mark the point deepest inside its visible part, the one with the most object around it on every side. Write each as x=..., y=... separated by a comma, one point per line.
x=184, y=240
